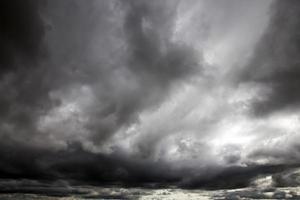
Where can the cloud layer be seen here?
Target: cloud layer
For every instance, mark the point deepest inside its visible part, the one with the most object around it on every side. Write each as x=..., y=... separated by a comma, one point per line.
x=149, y=93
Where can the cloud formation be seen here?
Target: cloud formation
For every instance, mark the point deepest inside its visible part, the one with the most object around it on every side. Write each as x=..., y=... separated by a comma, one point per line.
x=275, y=62
x=148, y=94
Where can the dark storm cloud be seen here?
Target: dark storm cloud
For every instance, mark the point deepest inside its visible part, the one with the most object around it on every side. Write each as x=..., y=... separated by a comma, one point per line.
x=232, y=177
x=22, y=32
x=154, y=61
x=23, y=89
x=125, y=79
x=56, y=189
x=275, y=63
x=136, y=64
x=288, y=155
x=112, y=61
x=138, y=76
x=78, y=166
x=148, y=27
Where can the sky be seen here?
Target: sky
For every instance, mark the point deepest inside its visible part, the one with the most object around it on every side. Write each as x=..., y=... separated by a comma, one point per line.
x=184, y=93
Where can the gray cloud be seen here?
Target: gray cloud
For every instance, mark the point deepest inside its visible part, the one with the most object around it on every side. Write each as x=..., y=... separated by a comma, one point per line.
x=275, y=61
x=22, y=32
x=146, y=66
x=108, y=92
x=118, y=57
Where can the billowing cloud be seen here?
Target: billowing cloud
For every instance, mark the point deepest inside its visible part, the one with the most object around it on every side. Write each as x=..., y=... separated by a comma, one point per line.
x=140, y=93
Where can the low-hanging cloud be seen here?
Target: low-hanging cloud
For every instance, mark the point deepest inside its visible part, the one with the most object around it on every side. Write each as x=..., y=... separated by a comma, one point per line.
x=141, y=93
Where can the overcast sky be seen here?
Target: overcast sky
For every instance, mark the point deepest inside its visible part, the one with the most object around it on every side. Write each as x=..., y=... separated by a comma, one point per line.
x=184, y=92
